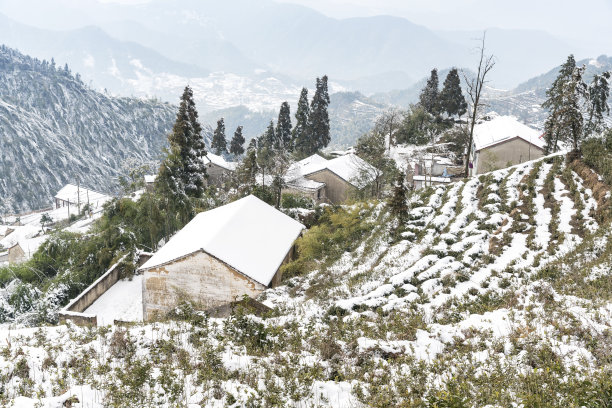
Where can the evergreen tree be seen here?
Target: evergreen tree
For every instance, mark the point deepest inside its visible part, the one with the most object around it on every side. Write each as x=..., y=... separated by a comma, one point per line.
x=236, y=145
x=397, y=204
x=219, y=143
x=301, y=131
x=319, y=118
x=429, y=98
x=283, y=128
x=247, y=170
x=187, y=149
x=598, y=94
x=269, y=139
x=451, y=98
x=554, y=105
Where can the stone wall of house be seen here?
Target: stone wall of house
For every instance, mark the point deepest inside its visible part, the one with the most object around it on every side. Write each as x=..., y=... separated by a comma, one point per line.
x=199, y=278
x=337, y=190
x=506, y=154
x=16, y=254
x=217, y=175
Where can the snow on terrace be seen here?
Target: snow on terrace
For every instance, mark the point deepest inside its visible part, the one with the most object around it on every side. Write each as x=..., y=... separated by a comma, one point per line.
x=249, y=235
x=122, y=302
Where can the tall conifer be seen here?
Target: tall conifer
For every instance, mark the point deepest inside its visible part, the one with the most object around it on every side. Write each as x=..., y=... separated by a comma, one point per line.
x=283, y=128
x=300, y=133
x=429, y=98
x=553, y=132
x=451, y=98
x=187, y=148
x=237, y=143
x=319, y=117
x=219, y=142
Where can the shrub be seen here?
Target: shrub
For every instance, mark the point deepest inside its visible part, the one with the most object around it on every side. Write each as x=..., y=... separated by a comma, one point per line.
x=295, y=201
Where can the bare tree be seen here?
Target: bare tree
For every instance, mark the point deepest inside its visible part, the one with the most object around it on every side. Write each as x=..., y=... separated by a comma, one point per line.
x=474, y=87
x=388, y=123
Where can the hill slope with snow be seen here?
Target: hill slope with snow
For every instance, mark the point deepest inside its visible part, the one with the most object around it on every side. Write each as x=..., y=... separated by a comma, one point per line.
x=54, y=129
x=495, y=293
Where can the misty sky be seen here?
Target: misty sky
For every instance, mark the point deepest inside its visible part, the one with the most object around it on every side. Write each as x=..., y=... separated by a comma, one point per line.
x=587, y=23
x=585, y=19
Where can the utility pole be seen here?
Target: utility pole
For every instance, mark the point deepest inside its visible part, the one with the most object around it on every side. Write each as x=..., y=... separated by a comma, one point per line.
x=78, y=196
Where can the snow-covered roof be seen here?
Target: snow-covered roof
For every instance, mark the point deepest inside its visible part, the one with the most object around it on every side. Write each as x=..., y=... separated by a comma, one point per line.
x=306, y=166
x=248, y=235
x=304, y=183
x=150, y=178
x=349, y=167
x=75, y=194
x=504, y=128
x=19, y=234
x=434, y=179
x=219, y=161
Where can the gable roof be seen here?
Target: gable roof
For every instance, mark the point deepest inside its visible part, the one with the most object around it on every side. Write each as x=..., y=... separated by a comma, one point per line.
x=349, y=167
x=73, y=194
x=219, y=161
x=502, y=129
x=248, y=235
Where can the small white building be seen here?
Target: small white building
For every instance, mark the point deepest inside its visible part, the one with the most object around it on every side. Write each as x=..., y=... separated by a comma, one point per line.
x=78, y=196
x=219, y=257
x=503, y=141
x=329, y=180
x=427, y=181
x=218, y=169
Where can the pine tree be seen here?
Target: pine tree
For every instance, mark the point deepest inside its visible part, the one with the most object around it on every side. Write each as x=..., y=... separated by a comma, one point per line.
x=554, y=105
x=429, y=98
x=301, y=131
x=187, y=148
x=319, y=118
x=283, y=128
x=219, y=142
x=451, y=98
x=237, y=143
x=571, y=123
x=397, y=204
x=598, y=94
x=269, y=139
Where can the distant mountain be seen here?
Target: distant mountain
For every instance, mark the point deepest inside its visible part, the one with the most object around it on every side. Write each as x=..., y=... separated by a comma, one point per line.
x=53, y=129
x=129, y=69
x=371, y=54
x=351, y=114
x=525, y=100
x=107, y=62
x=519, y=54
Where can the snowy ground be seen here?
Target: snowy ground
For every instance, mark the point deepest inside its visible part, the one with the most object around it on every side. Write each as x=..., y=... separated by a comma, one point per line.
x=123, y=302
x=497, y=295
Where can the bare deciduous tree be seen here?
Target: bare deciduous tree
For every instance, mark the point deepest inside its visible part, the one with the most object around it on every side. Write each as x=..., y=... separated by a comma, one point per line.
x=388, y=123
x=474, y=87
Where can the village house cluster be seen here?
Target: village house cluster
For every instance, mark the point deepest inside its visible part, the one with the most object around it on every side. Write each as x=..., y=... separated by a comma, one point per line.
x=237, y=250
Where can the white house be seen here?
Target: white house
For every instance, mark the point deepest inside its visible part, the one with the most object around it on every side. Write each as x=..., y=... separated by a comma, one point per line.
x=329, y=180
x=218, y=169
x=78, y=196
x=220, y=256
x=503, y=141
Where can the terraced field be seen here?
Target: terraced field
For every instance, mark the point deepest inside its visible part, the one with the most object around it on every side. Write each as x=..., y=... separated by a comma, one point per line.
x=496, y=292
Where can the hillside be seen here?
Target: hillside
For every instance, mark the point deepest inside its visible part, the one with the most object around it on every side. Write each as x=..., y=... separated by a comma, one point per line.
x=54, y=129
x=351, y=114
x=495, y=293
x=524, y=101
